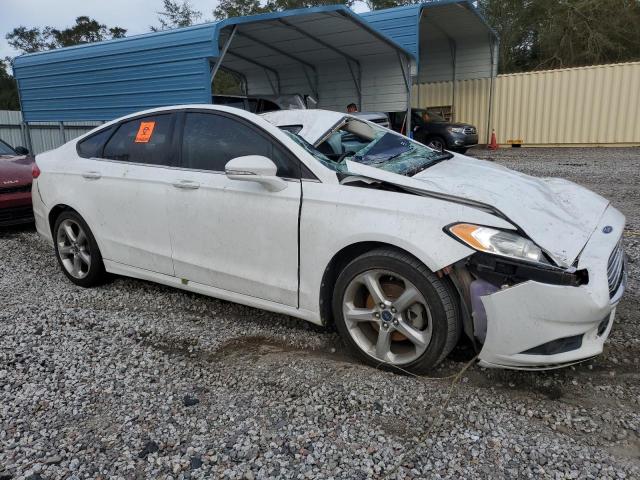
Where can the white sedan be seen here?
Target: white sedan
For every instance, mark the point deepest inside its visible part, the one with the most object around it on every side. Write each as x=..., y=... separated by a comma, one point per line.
x=335, y=220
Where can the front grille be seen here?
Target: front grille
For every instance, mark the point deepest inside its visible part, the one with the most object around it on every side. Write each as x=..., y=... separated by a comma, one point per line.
x=21, y=188
x=615, y=268
x=14, y=215
x=470, y=130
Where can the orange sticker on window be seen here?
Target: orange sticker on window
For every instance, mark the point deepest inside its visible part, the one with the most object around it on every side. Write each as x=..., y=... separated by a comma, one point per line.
x=145, y=131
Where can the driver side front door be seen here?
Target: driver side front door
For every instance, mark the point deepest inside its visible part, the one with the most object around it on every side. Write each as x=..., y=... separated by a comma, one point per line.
x=229, y=234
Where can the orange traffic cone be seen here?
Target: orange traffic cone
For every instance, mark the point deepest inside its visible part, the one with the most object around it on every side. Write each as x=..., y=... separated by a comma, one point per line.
x=494, y=143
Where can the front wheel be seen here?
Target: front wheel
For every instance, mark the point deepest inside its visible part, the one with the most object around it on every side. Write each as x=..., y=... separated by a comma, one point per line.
x=437, y=143
x=77, y=251
x=393, y=312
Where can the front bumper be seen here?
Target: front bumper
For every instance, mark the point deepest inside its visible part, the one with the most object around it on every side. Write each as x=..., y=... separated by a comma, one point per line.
x=464, y=140
x=572, y=322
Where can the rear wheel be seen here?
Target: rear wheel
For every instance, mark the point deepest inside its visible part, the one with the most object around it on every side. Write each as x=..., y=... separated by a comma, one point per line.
x=392, y=311
x=77, y=250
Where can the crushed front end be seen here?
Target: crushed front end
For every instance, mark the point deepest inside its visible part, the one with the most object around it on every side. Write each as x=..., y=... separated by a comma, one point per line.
x=528, y=317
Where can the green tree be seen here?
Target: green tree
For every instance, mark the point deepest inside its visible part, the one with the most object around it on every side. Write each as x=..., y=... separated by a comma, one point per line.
x=237, y=8
x=176, y=15
x=380, y=4
x=545, y=34
x=85, y=30
x=8, y=88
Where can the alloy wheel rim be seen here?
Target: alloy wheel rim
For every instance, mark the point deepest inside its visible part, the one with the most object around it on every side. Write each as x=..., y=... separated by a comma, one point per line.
x=387, y=317
x=73, y=248
x=436, y=145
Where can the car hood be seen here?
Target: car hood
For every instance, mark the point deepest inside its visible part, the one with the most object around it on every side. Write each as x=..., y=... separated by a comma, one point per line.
x=15, y=171
x=449, y=124
x=558, y=215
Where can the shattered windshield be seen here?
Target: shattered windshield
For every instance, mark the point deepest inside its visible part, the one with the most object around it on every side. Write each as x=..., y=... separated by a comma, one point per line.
x=378, y=147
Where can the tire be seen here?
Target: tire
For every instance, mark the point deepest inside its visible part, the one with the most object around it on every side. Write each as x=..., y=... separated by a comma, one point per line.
x=432, y=323
x=436, y=142
x=77, y=251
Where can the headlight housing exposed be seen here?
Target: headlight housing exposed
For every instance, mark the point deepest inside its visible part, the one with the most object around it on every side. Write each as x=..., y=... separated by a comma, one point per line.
x=498, y=242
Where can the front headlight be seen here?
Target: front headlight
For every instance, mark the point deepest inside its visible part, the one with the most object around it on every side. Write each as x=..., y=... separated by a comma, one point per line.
x=498, y=242
x=456, y=129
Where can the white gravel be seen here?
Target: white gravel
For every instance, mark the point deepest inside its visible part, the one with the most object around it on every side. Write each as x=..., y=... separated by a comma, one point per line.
x=135, y=380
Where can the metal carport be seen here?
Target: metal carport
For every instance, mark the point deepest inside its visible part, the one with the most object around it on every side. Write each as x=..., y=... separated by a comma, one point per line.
x=450, y=39
x=326, y=52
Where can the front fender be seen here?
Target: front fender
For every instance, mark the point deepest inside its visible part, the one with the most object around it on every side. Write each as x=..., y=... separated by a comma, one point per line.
x=334, y=217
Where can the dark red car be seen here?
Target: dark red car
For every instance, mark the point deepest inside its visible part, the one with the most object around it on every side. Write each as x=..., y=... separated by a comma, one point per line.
x=15, y=185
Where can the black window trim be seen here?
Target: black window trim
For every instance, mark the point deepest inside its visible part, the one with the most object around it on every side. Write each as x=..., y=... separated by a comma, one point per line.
x=177, y=134
x=180, y=122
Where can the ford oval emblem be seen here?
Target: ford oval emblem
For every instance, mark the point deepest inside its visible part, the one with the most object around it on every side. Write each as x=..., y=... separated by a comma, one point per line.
x=607, y=229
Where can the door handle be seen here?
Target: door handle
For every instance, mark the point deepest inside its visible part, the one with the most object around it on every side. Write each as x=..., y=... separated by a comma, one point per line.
x=187, y=185
x=91, y=175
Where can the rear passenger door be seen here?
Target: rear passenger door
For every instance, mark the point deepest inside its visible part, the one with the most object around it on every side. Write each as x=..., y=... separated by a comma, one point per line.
x=125, y=181
x=234, y=235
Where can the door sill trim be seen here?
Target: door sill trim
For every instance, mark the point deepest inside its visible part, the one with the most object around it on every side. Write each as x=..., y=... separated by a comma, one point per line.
x=171, y=281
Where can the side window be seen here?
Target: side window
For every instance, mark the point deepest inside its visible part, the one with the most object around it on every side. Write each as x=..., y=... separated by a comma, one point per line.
x=210, y=141
x=143, y=140
x=267, y=106
x=92, y=146
x=253, y=105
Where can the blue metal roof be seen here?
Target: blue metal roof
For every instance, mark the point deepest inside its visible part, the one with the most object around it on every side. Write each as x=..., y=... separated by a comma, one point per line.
x=402, y=24
x=109, y=79
x=105, y=80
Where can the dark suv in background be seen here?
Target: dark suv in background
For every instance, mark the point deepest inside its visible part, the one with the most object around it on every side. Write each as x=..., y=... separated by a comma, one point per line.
x=434, y=131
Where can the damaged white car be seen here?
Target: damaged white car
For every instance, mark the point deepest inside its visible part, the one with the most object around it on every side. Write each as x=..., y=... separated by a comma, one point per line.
x=336, y=220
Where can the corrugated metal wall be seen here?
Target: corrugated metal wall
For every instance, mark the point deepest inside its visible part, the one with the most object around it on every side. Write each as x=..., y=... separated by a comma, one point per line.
x=597, y=105
x=44, y=135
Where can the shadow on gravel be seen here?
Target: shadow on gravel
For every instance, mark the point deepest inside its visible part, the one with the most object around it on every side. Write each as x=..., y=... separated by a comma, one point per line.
x=246, y=350
x=9, y=232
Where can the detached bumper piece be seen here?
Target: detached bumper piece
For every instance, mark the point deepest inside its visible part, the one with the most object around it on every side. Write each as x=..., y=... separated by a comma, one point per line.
x=542, y=318
x=16, y=215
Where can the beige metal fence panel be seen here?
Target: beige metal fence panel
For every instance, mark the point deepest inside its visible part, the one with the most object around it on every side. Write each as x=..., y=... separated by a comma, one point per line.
x=597, y=105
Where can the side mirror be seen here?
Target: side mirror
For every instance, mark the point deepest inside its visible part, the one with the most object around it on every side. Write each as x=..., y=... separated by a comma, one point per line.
x=22, y=151
x=255, y=168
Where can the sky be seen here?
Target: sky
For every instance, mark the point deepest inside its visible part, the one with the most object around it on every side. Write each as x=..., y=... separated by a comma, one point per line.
x=134, y=15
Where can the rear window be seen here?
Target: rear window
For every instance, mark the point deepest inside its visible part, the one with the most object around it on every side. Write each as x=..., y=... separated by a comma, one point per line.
x=92, y=146
x=6, y=149
x=143, y=140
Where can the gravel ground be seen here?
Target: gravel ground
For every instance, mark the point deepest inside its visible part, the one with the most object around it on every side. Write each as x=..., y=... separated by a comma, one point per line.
x=135, y=380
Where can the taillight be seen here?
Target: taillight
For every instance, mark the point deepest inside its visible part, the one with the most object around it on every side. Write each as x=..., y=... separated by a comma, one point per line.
x=35, y=171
